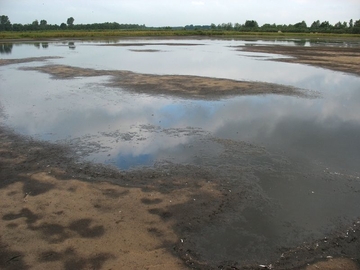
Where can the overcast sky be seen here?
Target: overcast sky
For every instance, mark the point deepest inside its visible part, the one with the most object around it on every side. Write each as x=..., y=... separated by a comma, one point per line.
x=180, y=12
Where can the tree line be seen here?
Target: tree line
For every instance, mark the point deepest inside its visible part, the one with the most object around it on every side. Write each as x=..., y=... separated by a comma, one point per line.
x=350, y=27
x=249, y=26
x=6, y=25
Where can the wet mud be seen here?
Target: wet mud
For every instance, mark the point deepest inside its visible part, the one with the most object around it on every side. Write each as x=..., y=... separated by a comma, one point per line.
x=59, y=213
x=176, y=85
x=4, y=62
x=345, y=59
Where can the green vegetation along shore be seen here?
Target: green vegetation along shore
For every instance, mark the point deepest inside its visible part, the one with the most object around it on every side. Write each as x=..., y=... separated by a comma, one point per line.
x=41, y=30
x=6, y=35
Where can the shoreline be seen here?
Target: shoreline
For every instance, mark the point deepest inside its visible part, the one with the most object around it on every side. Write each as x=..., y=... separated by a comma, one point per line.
x=58, y=212
x=342, y=59
x=96, y=34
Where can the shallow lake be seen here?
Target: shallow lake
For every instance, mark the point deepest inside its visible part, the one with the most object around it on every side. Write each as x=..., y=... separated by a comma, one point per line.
x=308, y=167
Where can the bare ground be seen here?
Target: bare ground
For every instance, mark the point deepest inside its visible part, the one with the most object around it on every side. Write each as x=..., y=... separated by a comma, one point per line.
x=178, y=85
x=60, y=214
x=345, y=59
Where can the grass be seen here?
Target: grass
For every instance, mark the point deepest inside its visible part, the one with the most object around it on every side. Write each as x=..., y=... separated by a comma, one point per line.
x=154, y=33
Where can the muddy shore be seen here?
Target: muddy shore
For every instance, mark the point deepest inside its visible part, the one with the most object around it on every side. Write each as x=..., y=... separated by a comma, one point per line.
x=345, y=59
x=58, y=213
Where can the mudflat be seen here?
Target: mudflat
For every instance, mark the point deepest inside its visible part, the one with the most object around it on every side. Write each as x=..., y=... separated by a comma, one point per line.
x=177, y=85
x=345, y=59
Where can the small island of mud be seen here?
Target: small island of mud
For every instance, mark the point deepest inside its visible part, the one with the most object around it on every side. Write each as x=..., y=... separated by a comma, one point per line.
x=177, y=85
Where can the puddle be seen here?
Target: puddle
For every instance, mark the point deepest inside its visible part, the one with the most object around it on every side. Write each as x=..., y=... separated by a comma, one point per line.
x=299, y=156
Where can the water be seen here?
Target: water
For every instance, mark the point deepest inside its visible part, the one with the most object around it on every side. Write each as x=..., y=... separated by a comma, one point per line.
x=83, y=108
x=315, y=183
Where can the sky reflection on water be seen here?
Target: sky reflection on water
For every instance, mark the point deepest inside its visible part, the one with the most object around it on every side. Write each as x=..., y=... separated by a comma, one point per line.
x=66, y=109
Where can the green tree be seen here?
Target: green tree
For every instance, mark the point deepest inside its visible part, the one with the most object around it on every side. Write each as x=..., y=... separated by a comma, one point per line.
x=357, y=23
x=251, y=24
x=229, y=26
x=5, y=24
x=351, y=23
x=315, y=25
x=325, y=24
x=17, y=27
x=70, y=21
x=356, y=28
x=35, y=25
x=237, y=26
x=63, y=26
x=301, y=25
x=43, y=22
x=338, y=25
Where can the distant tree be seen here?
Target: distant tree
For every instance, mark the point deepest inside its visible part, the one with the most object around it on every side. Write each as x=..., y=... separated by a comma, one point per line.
x=357, y=23
x=315, y=24
x=43, y=22
x=351, y=23
x=5, y=24
x=251, y=24
x=17, y=27
x=237, y=26
x=63, y=26
x=213, y=26
x=356, y=28
x=70, y=21
x=324, y=24
x=267, y=27
x=229, y=26
x=301, y=25
x=34, y=25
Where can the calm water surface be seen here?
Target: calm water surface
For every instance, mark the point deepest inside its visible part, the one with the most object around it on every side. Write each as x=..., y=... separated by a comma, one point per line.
x=133, y=126
x=113, y=126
